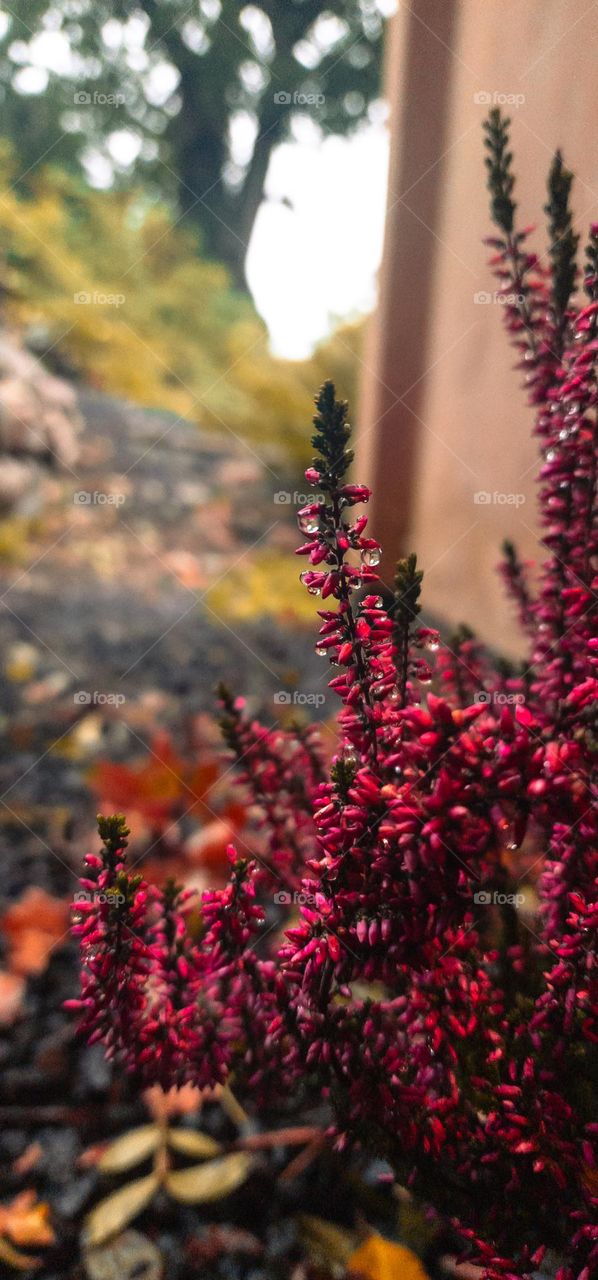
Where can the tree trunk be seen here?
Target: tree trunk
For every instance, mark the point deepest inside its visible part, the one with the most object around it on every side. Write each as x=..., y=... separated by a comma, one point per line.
x=225, y=218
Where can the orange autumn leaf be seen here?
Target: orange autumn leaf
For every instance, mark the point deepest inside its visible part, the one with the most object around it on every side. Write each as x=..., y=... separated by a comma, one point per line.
x=207, y=847
x=380, y=1259
x=33, y=926
x=26, y=1221
x=164, y=1105
x=154, y=786
x=12, y=990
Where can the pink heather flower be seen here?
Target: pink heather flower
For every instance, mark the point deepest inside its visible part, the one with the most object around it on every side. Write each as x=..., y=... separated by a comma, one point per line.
x=428, y=964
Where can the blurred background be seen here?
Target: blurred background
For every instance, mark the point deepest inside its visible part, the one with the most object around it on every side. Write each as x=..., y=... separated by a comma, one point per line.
x=206, y=209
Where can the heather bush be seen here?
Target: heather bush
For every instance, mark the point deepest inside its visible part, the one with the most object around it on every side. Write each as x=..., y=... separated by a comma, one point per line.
x=436, y=984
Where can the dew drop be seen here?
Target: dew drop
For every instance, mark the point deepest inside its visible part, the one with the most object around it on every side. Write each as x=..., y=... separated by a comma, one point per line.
x=308, y=524
x=370, y=557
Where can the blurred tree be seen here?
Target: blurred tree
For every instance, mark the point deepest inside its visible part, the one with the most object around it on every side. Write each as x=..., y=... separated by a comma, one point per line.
x=121, y=298
x=192, y=98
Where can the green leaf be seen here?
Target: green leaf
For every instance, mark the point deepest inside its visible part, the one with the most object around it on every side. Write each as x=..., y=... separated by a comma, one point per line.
x=117, y=1210
x=211, y=1181
x=131, y=1149
x=191, y=1143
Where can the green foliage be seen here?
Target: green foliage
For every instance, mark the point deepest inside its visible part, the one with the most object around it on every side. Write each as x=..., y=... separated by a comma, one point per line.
x=331, y=436
x=500, y=176
x=120, y=295
x=177, y=77
x=564, y=240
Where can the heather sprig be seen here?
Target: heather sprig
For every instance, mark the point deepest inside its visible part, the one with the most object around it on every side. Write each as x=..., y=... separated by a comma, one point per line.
x=437, y=985
x=564, y=240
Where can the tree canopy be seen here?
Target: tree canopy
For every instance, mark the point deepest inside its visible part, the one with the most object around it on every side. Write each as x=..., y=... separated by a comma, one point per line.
x=189, y=99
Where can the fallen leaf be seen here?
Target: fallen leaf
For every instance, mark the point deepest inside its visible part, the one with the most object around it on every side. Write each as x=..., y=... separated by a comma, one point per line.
x=192, y=1143
x=130, y=1149
x=28, y=1159
x=19, y=1261
x=129, y=1255
x=211, y=1181
x=163, y=1105
x=26, y=1221
x=33, y=926
x=326, y=1242
x=12, y=990
x=380, y=1259
x=116, y=1211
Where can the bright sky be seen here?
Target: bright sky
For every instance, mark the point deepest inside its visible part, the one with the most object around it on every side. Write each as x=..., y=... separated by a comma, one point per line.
x=315, y=262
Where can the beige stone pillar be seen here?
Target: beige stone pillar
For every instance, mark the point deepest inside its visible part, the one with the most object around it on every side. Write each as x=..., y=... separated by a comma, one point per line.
x=442, y=417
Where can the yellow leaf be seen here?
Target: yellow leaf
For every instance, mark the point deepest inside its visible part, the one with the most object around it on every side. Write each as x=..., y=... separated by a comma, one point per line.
x=380, y=1259
x=130, y=1150
x=326, y=1242
x=210, y=1181
x=128, y=1255
x=14, y=1257
x=191, y=1143
x=117, y=1210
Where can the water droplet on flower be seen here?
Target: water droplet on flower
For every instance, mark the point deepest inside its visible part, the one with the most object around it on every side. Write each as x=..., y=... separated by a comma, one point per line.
x=305, y=579
x=321, y=651
x=308, y=524
x=433, y=644
x=393, y=696
x=370, y=557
